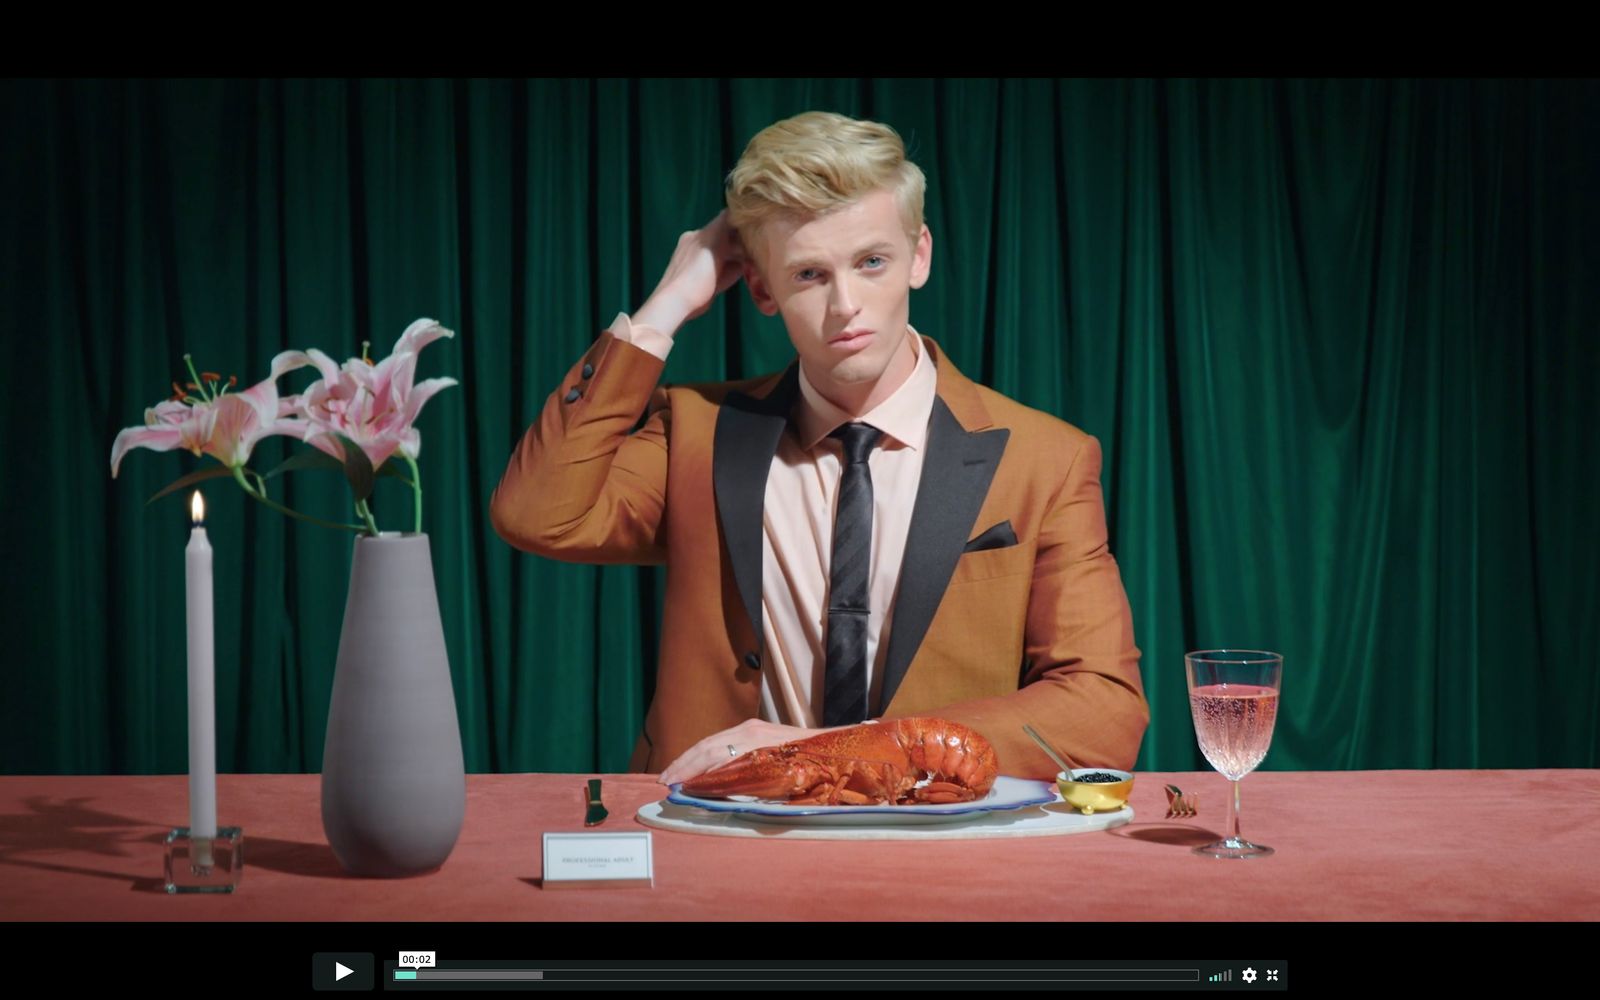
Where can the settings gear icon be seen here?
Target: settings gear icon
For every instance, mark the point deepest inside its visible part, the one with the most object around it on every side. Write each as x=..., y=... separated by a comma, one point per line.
x=1249, y=975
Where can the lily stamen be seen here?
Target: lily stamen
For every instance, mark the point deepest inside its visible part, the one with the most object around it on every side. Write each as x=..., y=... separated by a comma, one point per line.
x=189, y=360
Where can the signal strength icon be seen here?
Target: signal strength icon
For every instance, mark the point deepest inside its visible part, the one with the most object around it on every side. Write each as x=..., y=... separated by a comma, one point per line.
x=1225, y=976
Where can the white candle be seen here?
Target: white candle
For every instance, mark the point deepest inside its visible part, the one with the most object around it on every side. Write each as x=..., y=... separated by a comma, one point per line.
x=202, y=657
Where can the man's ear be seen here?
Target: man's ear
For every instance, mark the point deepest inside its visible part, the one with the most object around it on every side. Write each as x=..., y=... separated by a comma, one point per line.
x=922, y=258
x=760, y=294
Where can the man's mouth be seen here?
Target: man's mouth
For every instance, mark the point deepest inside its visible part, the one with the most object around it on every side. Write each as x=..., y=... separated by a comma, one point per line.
x=850, y=337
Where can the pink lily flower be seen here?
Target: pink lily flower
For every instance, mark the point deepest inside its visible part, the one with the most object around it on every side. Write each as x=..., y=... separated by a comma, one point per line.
x=374, y=405
x=225, y=426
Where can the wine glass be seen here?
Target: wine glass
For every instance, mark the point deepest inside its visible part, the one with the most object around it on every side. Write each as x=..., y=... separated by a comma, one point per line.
x=1233, y=695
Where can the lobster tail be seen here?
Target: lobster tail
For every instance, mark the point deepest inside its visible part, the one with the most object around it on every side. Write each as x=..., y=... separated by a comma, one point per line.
x=960, y=762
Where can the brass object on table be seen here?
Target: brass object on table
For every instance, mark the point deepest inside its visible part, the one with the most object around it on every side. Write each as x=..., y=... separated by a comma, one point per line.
x=597, y=812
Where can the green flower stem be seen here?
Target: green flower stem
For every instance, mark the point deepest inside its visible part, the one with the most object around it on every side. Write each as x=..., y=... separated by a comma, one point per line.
x=366, y=513
x=261, y=496
x=416, y=489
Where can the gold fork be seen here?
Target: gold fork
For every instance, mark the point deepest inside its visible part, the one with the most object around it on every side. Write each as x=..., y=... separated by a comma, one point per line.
x=1180, y=805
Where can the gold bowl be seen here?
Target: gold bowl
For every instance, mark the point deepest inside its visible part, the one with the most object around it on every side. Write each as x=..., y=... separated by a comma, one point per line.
x=1091, y=797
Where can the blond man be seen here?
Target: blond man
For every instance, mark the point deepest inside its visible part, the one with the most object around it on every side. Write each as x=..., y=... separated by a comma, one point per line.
x=866, y=534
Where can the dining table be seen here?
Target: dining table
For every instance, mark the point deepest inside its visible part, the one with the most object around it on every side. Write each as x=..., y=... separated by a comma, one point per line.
x=1376, y=845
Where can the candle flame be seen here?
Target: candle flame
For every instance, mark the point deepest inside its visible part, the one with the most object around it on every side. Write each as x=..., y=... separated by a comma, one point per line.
x=197, y=508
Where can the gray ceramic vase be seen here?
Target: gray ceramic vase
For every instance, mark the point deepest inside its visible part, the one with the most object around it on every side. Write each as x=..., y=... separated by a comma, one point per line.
x=394, y=787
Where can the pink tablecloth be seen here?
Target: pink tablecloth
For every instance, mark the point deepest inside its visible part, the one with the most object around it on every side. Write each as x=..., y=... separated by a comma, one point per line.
x=1368, y=845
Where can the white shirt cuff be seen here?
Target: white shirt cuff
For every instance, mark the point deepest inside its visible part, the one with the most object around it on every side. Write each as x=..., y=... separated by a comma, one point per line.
x=646, y=338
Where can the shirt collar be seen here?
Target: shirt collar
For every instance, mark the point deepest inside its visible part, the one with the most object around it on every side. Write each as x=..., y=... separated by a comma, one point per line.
x=903, y=416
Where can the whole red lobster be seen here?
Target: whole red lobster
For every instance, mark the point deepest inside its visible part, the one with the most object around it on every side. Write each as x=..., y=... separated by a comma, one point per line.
x=900, y=761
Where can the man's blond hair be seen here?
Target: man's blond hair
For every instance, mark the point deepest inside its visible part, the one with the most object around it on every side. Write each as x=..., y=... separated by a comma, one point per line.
x=817, y=162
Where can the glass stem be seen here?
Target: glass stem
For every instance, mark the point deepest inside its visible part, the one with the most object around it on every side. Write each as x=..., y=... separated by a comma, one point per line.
x=1233, y=814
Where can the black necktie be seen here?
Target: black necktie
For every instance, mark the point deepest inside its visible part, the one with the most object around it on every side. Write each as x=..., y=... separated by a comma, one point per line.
x=845, y=687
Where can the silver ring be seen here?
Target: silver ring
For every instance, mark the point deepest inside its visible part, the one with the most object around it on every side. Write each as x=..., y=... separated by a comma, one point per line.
x=731, y=751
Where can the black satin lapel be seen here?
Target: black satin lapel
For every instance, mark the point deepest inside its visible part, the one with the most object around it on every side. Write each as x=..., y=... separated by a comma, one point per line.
x=956, y=473
x=747, y=435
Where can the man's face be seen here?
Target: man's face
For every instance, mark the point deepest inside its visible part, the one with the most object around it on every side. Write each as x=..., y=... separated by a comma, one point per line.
x=842, y=282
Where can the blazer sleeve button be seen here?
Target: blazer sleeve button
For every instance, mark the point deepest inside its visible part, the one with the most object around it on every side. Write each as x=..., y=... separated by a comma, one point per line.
x=588, y=370
x=573, y=394
x=752, y=661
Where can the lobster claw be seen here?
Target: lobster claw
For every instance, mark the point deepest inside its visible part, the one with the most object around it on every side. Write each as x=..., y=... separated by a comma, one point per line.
x=766, y=773
x=800, y=776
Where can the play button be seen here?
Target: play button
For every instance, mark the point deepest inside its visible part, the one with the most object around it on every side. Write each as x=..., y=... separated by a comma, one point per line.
x=342, y=970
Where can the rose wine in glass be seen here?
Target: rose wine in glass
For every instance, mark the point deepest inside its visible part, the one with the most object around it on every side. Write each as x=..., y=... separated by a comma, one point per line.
x=1233, y=696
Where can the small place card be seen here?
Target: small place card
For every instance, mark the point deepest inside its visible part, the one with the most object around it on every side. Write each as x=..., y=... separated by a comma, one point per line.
x=598, y=861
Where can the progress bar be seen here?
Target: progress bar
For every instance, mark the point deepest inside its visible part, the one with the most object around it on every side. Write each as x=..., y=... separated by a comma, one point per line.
x=785, y=975
x=1210, y=976
x=469, y=975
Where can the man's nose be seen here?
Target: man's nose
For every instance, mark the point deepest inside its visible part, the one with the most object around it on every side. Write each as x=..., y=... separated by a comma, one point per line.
x=842, y=299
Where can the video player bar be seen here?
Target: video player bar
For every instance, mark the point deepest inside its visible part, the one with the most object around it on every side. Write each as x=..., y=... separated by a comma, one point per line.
x=1210, y=975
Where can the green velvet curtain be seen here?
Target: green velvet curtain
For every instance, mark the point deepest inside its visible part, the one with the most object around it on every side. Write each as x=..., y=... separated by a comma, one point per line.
x=1338, y=339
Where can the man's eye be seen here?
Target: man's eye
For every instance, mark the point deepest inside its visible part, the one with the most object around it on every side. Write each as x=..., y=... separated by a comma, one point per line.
x=807, y=274
x=874, y=257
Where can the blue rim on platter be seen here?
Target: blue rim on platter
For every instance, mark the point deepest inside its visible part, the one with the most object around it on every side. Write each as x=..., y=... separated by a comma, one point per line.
x=1007, y=793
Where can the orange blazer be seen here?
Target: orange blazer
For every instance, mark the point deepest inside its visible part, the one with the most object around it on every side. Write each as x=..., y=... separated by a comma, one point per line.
x=987, y=631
